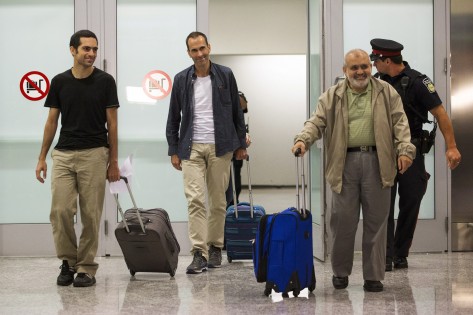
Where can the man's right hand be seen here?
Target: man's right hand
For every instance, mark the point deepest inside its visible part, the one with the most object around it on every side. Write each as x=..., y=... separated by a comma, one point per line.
x=176, y=162
x=41, y=167
x=299, y=145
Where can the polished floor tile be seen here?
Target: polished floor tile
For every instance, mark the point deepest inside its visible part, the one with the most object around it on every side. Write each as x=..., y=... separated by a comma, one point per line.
x=434, y=284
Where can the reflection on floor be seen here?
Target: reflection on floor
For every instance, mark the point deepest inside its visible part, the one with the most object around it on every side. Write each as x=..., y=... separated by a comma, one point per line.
x=438, y=283
x=433, y=284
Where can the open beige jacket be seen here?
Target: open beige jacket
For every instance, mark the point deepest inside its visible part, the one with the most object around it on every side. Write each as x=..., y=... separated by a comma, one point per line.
x=330, y=119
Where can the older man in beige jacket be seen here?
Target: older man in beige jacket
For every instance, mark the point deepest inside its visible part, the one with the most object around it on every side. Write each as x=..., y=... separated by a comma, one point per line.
x=366, y=137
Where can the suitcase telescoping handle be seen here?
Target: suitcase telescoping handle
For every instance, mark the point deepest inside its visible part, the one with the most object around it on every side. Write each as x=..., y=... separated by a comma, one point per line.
x=301, y=177
x=235, y=202
x=134, y=207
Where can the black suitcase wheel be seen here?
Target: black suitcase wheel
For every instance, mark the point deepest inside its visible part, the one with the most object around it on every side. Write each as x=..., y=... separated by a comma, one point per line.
x=296, y=292
x=229, y=259
x=267, y=291
x=312, y=287
x=314, y=281
x=172, y=273
x=132, y=273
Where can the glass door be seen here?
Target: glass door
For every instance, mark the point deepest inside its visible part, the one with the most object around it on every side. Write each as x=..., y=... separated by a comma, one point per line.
x=423, y=51
x=150, y=51
x=36, y=47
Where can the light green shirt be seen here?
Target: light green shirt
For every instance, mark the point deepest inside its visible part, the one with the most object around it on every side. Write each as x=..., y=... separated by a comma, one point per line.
x=360, y=118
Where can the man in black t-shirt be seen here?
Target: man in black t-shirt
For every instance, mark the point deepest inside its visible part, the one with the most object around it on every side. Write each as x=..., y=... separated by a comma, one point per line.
x=418, y=97
x=84, y=157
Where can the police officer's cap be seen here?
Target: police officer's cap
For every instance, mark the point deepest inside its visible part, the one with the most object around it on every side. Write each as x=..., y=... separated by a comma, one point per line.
x=384, y=48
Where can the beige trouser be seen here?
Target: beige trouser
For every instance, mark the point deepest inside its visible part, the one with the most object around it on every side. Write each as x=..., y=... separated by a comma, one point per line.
x=206, y=172
x=78, y=173
x=361, y=185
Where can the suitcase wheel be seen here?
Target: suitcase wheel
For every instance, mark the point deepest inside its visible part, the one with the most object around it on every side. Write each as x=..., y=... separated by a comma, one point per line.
x=312, y=287
x=132, y=273
x=313, y=284
x=267, y=291
x=229, y=259
x=296, y=292
x=172, y=273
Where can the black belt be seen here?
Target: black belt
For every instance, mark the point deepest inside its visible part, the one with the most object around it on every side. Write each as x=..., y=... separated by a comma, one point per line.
x=363, y=148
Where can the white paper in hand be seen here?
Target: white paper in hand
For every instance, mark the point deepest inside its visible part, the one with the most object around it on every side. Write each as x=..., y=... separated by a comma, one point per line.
x=127, y=171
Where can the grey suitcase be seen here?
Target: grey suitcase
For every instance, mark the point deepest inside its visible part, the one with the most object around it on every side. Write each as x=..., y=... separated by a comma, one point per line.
x=147, y=240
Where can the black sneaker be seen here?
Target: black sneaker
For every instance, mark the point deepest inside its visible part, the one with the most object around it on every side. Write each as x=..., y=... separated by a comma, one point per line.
x=215, y=257
x=84, y=280
x=199, y=263
x=400, y=263
x=389, y=264
x=66, y=277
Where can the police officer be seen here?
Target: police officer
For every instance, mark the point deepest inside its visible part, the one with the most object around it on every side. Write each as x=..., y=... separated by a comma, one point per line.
x=419, y=97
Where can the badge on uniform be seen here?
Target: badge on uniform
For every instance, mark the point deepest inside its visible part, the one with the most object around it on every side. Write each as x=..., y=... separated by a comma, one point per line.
x=429, y=85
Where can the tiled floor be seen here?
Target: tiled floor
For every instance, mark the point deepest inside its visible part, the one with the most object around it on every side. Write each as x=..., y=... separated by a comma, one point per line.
x=433, y=284
x=439, y=283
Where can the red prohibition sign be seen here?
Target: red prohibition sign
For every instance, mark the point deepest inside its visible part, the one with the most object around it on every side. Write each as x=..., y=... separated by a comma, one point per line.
x=34, y=85
x=157, y=84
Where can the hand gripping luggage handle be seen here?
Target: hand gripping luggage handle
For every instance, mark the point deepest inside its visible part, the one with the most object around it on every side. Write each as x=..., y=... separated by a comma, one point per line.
x=235, y=202
x=134, y=206
x=303, y=209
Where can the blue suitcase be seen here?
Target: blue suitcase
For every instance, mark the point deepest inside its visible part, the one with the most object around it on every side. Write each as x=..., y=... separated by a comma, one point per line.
x=283, y=252
x=241, y=223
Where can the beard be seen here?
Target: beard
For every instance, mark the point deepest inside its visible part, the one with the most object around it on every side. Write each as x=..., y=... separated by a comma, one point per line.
x=359, y=82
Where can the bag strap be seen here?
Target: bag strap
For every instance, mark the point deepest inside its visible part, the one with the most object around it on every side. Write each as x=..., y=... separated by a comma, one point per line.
x=404, y=84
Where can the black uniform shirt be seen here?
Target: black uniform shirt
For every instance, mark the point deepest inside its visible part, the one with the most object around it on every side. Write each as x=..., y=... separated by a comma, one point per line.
x=420, y=94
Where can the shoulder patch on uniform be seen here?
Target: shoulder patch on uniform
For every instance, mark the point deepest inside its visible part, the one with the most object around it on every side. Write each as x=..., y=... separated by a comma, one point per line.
x=429, y=85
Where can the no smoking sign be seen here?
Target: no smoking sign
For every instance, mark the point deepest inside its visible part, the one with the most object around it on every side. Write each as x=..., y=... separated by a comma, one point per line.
x=157, y=84
x=34, y=85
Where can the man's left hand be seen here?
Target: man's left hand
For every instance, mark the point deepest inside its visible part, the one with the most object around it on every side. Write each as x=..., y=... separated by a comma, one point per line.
x=113, y=172
x=403, y=163
x=453, y=158
x=240, y=154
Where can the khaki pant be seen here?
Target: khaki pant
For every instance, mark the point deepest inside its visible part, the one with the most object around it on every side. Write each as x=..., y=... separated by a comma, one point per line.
x=361, y=186
x=78, y=173
x=204, y=172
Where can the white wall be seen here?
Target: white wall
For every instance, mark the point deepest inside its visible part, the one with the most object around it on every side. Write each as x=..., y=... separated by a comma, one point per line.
x=265, y=44
x=258, y=27
x=275, y=86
